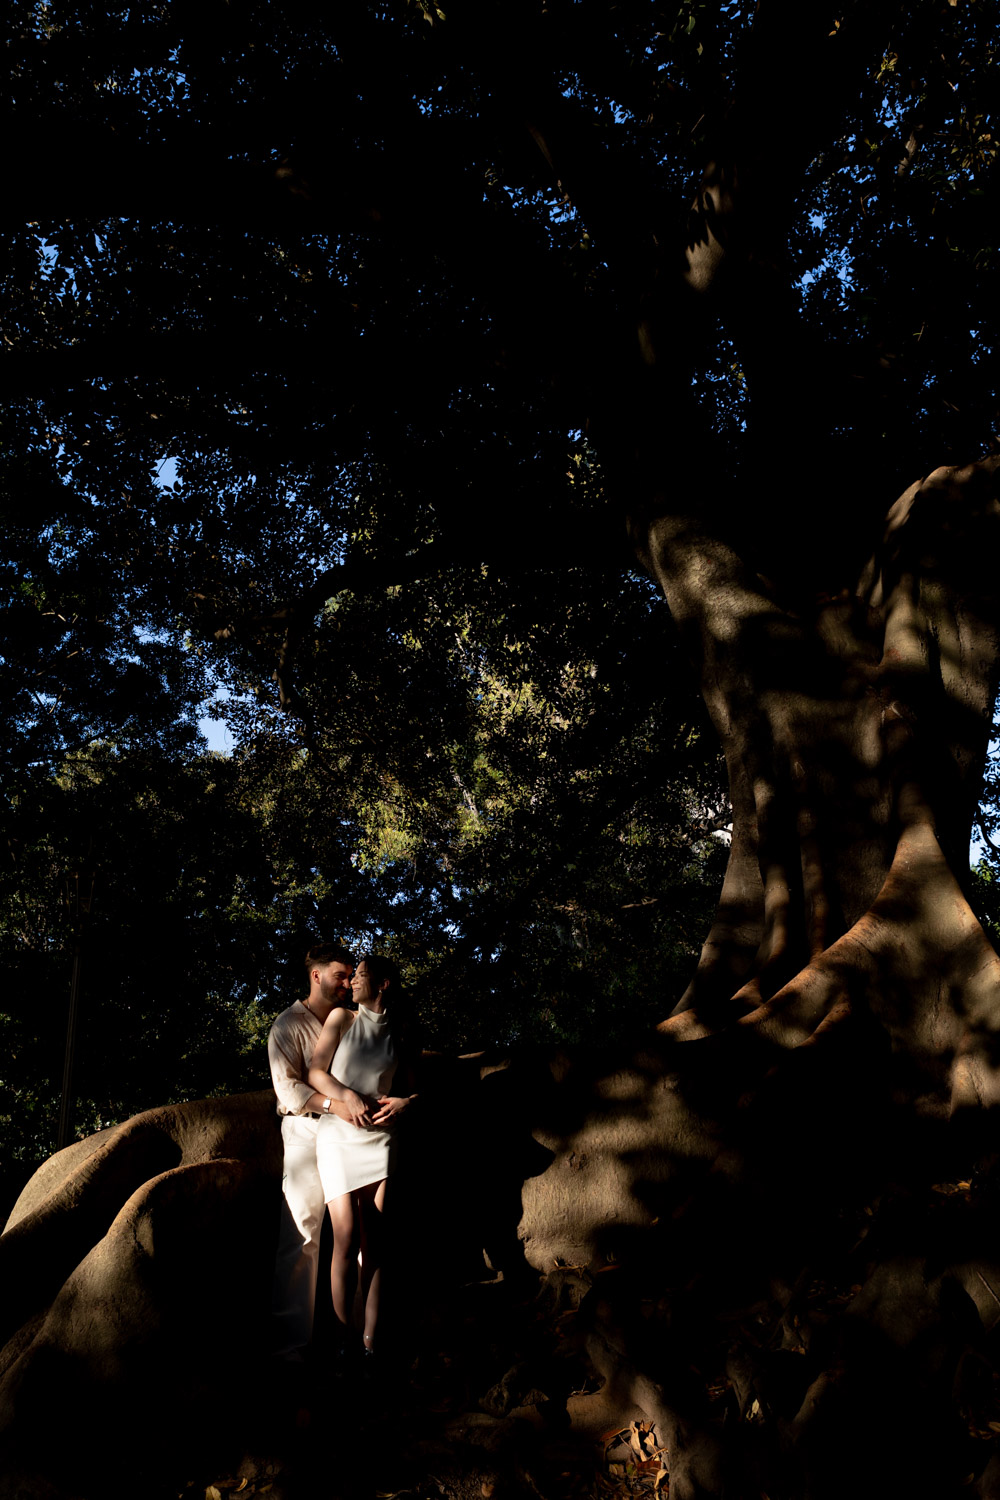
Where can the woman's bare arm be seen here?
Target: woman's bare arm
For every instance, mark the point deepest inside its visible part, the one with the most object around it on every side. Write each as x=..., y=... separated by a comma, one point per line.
x=322, y=1080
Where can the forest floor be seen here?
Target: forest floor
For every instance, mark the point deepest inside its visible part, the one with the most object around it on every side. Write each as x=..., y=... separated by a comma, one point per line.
x=491, y=1394
x=477, y=1408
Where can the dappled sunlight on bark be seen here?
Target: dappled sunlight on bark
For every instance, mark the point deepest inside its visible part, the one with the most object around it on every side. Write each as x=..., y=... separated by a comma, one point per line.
x=855, y=732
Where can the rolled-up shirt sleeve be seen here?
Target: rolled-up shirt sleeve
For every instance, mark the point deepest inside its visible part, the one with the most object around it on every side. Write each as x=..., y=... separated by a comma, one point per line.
x=284, y=1053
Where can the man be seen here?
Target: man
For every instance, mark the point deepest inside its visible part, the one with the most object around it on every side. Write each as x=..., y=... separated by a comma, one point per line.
x=290, y=1045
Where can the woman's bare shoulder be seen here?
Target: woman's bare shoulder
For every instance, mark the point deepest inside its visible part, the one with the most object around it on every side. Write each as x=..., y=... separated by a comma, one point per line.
x=337, y=1023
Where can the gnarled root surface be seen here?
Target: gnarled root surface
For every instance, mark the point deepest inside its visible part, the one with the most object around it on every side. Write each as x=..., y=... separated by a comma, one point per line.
x=130, y=1271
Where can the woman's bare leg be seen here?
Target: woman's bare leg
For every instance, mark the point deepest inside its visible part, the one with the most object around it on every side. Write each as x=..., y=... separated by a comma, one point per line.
x=371, y=1207
x=344, y=1263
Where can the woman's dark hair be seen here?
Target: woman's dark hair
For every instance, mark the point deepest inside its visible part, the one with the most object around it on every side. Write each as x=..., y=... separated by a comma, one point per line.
x=397, y=1000
x=381, y=969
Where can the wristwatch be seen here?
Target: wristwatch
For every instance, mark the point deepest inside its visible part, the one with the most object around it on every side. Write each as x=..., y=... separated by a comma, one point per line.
x=326, y=1106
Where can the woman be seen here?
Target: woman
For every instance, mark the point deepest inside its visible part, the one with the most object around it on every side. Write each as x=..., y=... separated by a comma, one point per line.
x=357, y=1060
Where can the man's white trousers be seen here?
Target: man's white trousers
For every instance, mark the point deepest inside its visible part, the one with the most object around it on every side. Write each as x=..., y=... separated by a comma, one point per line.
x=294, y=1301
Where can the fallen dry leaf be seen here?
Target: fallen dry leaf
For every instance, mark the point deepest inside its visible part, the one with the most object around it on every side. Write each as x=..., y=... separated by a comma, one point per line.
x=642, y=1441
x=588, y=1389
x=638, y=1438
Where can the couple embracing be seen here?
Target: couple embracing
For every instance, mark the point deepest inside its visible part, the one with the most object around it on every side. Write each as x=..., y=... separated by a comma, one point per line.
x=339, y=1072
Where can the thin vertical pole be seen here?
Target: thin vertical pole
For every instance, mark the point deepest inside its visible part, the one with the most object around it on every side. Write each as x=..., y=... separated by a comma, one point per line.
x=66, y=1102
x=79, y=904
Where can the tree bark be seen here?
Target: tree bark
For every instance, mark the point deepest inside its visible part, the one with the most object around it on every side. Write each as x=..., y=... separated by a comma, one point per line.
x=855, y=730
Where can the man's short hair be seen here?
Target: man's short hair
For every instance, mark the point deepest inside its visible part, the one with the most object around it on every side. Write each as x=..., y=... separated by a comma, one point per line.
x=321, y=954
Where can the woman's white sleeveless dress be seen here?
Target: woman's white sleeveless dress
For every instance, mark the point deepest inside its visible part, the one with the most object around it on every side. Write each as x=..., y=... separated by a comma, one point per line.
x=365, y=1060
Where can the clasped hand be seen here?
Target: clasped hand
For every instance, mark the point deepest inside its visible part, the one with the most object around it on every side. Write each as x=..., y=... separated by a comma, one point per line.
x=366, y=1112
x=360, y=1109
x=388, y=1107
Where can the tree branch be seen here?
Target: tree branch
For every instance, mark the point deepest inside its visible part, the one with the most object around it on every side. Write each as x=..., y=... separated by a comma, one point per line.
x=596, y=547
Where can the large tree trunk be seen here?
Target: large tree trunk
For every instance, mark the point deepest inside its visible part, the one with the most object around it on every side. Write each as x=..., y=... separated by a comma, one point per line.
x=855, y=730
x=796, y=1188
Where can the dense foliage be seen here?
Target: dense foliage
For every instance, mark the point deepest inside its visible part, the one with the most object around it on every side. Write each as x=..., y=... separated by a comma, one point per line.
x=321, y=327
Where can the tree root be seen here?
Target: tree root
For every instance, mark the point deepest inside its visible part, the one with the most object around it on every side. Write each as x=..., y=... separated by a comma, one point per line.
x=917, y=963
